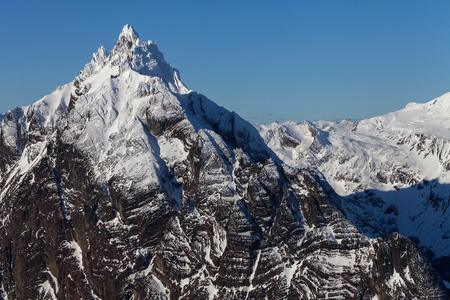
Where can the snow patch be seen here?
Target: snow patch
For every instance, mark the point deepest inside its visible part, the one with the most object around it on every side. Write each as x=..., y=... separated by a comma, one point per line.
x=47, y=289
x=77, y=253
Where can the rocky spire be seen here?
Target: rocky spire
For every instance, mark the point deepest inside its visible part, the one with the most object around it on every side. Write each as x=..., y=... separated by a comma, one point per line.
x=127, y=39
x=129, y=32
x=130, y=52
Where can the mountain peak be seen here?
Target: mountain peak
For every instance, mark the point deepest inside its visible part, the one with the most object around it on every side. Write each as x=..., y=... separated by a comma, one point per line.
x=128, y=39
x=101, y=55
x=131, y=53
x=129, y=33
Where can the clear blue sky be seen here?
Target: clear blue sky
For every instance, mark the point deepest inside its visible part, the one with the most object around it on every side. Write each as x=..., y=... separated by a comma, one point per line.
x=290, y=60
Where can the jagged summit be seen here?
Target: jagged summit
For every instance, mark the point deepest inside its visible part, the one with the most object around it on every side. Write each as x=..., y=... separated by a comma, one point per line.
x=128, y=40
x=131, y=53
x=129, y=33
x=100, y=55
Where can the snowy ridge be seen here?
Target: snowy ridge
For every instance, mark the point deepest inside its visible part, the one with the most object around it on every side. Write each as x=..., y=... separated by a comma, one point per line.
x=429, y=118
x=392, y=170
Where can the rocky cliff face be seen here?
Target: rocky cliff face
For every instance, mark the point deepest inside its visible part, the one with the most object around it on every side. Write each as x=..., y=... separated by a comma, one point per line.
x=124, y=184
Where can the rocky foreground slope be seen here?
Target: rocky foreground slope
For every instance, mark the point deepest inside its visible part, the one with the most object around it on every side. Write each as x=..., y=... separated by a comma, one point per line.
x=124, y=184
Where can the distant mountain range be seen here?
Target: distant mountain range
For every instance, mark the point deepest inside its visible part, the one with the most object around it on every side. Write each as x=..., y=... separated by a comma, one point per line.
x=125, y=184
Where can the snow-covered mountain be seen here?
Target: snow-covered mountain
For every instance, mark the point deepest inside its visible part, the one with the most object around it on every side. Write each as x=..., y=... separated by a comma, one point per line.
x=392, y=171
x=124, y=184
